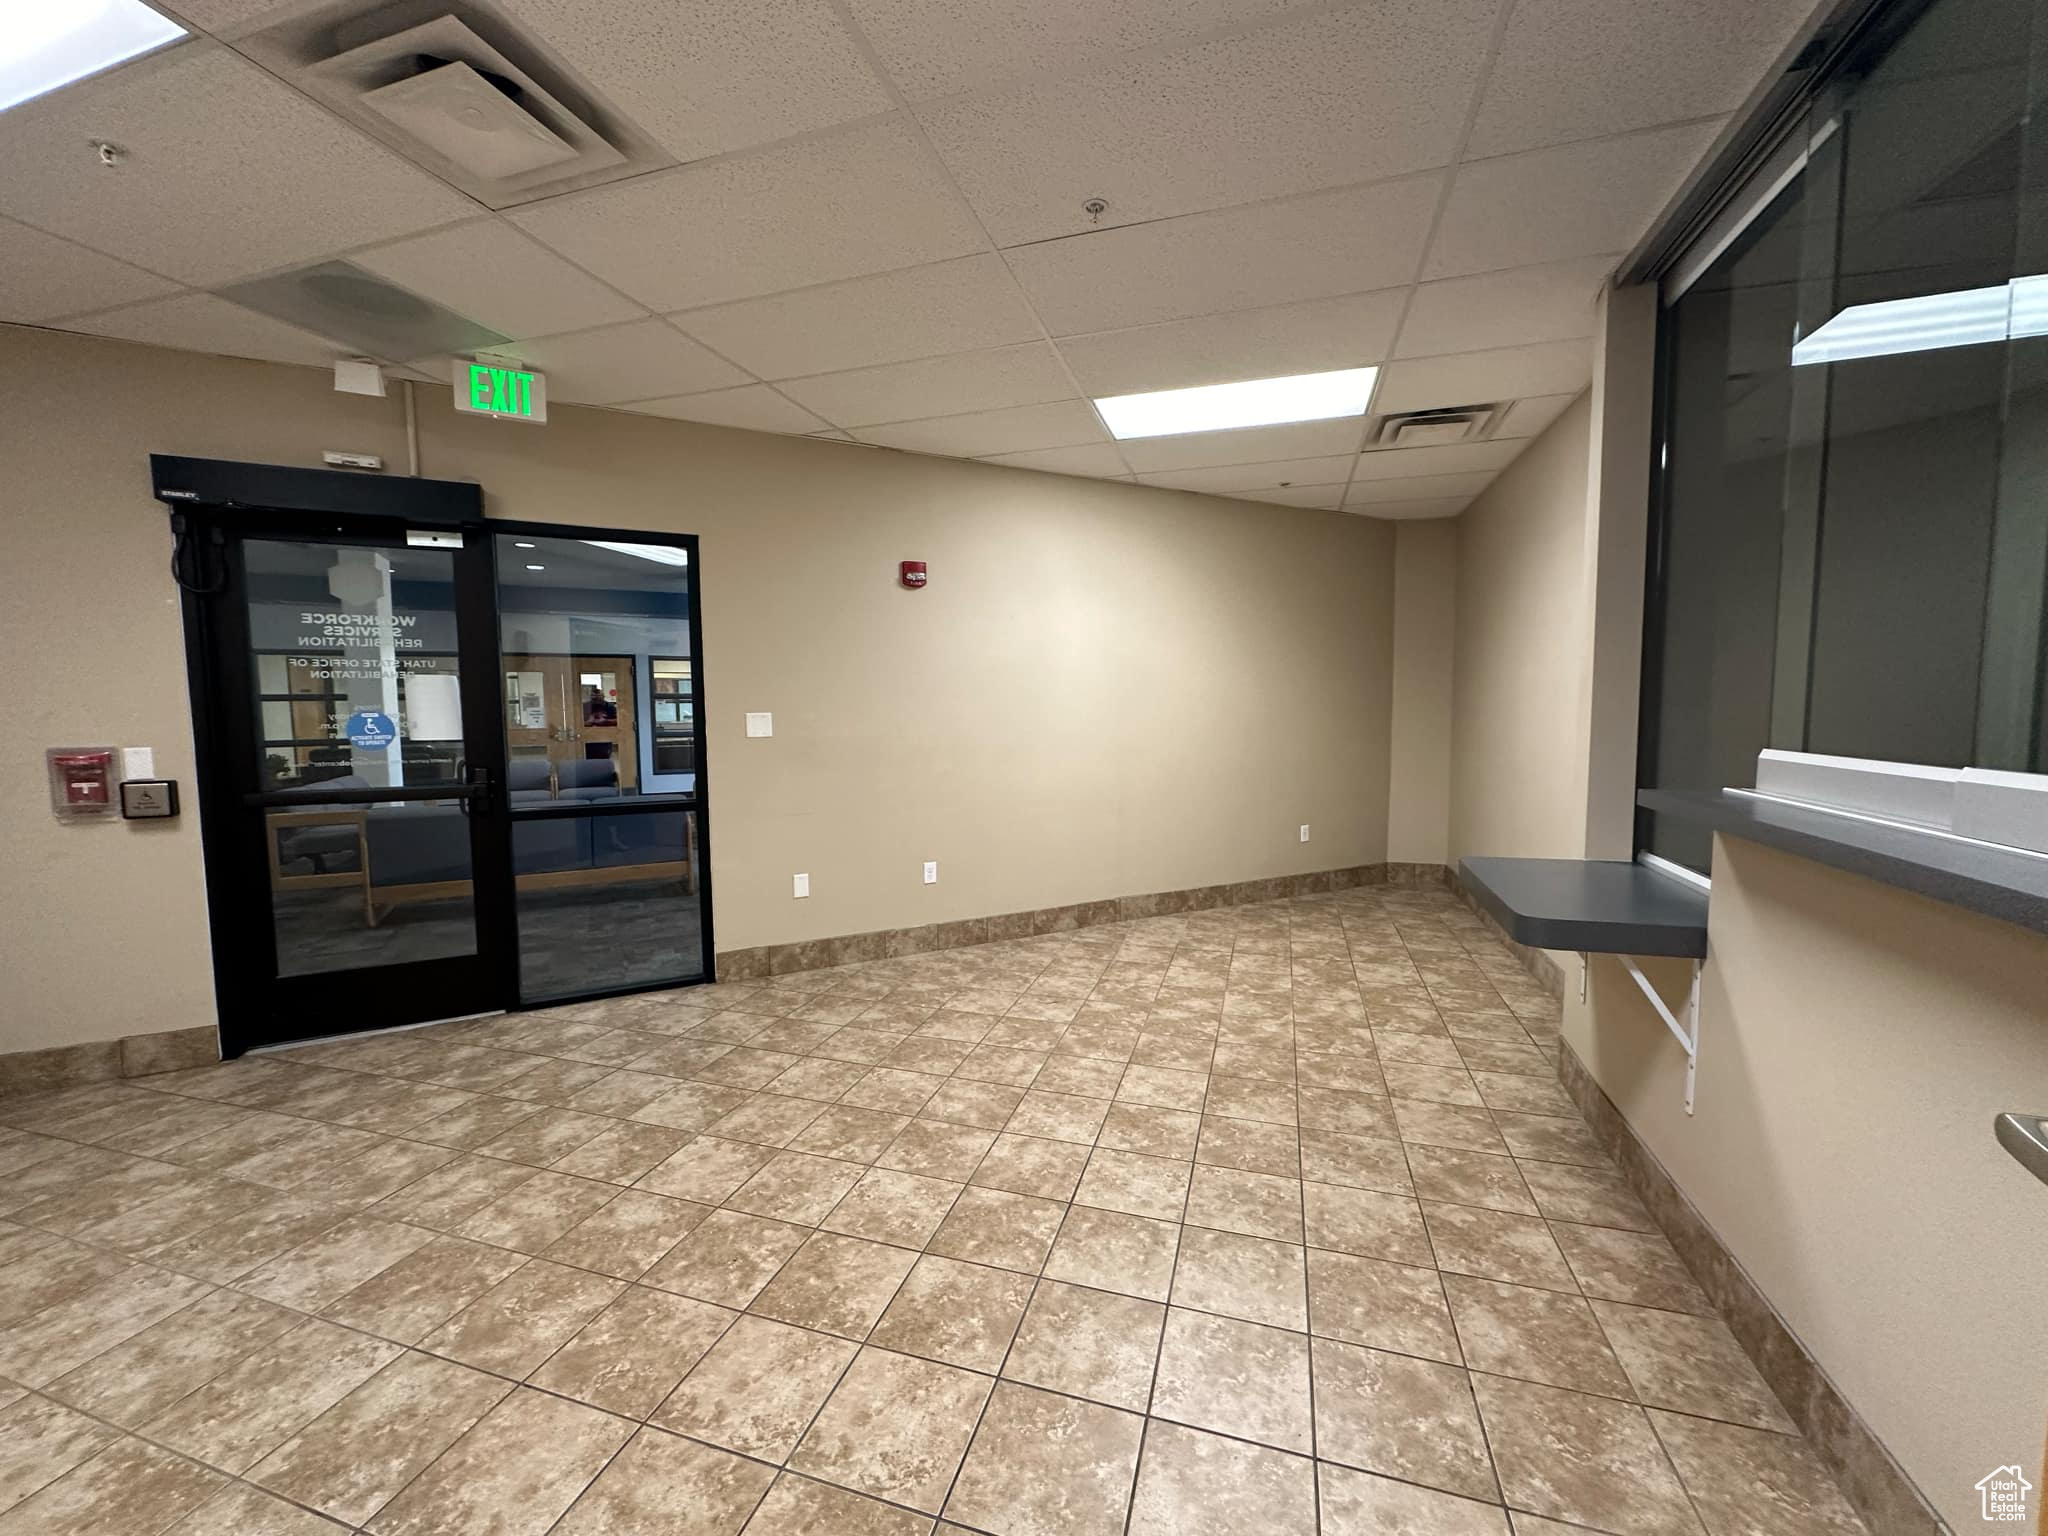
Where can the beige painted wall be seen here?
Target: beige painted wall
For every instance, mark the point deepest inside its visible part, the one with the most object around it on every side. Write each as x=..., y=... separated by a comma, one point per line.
x=1517, y=759
x=1106, y=689
x=1855, y=1042
x=1425, y=641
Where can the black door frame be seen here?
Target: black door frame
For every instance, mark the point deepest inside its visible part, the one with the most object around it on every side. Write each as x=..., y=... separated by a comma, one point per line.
x=214, y=505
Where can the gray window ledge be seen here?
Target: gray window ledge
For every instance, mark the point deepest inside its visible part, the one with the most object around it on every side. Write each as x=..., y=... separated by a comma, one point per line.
x=2004, y=883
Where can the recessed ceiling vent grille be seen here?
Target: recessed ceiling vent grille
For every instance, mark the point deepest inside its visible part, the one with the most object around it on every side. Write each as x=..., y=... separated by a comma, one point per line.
x=1435, y=428
x=457, y=92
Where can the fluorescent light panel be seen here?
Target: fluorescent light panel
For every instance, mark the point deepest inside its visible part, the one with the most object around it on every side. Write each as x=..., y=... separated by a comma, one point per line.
x=1969, y=317
x=660, y=554
x=45, y=44
x=1249, y=403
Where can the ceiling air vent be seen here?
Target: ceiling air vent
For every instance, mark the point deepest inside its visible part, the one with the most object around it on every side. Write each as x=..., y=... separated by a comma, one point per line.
x=343, y=302
x=458, y=92
x=1435, y=428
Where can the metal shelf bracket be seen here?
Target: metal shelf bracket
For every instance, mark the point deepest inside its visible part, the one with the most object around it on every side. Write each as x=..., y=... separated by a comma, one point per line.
x=1686, y=1028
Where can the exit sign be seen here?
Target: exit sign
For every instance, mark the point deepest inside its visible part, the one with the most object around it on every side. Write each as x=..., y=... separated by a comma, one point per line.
x=492, y=389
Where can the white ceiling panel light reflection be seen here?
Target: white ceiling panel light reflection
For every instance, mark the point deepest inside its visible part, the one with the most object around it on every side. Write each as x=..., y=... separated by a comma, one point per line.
x=46, y=44
x=661, y=554
x=1248, y=403
x=1969, y=317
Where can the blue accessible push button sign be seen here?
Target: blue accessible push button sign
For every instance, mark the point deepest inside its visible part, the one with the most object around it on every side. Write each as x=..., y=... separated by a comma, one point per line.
x=371, y=730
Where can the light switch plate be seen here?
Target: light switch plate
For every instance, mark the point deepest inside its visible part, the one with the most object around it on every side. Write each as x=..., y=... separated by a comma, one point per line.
x=801, y=886
x=1304, y=831
x=760, y=724
x=931, y=872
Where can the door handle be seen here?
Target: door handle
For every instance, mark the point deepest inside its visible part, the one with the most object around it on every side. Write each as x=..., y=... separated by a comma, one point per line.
x=477, y=790
x=2026, y=1138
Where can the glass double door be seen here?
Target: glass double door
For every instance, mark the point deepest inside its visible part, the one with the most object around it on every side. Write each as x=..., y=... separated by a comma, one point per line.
x=429, y=773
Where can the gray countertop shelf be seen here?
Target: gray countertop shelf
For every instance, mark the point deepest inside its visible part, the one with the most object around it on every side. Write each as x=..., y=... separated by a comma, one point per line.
x=2005, y=883
x=1597, y=906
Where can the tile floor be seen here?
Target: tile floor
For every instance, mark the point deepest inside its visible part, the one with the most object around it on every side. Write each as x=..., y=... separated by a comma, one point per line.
x=1261, y=1222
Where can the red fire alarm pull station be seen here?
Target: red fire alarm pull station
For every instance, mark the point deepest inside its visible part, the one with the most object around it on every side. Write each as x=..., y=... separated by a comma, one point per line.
x=81, y=781
x=913, y=574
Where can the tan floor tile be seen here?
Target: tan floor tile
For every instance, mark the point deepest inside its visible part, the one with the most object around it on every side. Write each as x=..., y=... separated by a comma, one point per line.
x=1059, y=1116
x=1586, y=1460
x=818, y=1078
x=513, y=1327
x=849, y=1132
x=1359, y=1504
x=1115, y=1252
x=1155, y=1131
x=959, y=1314
x=1090, y=1343
x=758, y=1388
x=768, y=1119
x=1406, y=1418
x=1458, y=1126
x=1032, y=1165
x=1250, y=1098
x=1135, y=1183
x=1255, y=1204
x=1692, y=1364
x=355, y=1457
x=1496, y=1245
x=691, y=1106
x=896, y=1091
x=991, y=1226
x=622, y=1153
x=727, y=1258
x=413, y=1297
x=552, y=1082
x=796, y=1187
x=1368, y=1222
x=1344, y=1111
x=1196, y=1484
x=1087, y=1076
x=1253, y=1278
x=886, y=1206
x=1239, y=1378
x=707, y=1170
x=895, y=1428
x=239, y=1510
x=453, y=1193
x=837, y=1284
x=1430, y=1050
x=65, y=1335
x=514, y=1474
x=660, y=1483
x=545, y=1137
x=247, y=1411
x=1384, y=1305
x=48, y=1270
x=620, y=1093
x=1163, y=1088
x=128, y=1489
x=39, y=1442
x=1538, y=1335
x=1747, y=1482
x=985, y=1106
x=1046, y=1465
x=745, y=1067
x=1469, y=1178
x=627, y=1236
x=1251, y=1145
x=631, y=1355
x=1549, y=1139
x=1000, y=1064
x=1588, y=1196
x=1528, y=1095
x=937, y=1150
x=1439, y=1085
x=538, y=1212
x=798, y=1506
x=138, y=1379
x=1640, y=1268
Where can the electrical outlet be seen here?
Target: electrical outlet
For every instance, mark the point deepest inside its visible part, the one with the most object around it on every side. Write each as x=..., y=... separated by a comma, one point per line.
x=931, y=872
x=1304, y=831
x=802, y=884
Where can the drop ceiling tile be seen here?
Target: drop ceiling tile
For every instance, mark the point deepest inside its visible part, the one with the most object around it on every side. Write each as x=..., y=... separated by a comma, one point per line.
x=1477, y=378
x=949, y=306
x=228, y=172
x=1246, y=445
x=937, y=47
x=1576, y=69
x=1266, y=343
x=1418, y=488
x=1314, y=247
x=1514, y=308
x=48, y=277
x=226, y=18
x=1575, y=200
x=1240, y=479
x=754, y=406
x=642, y=360
x=1451, y=459
x=865, y=200
x=488, y=272
x=967, y=381
x=1410, y=511
x=978, y=434
x=199, y=322
x=1320, y=498
x=1100, y=460
x=715, y=76
x=1531, y=417
x=1345, y=96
